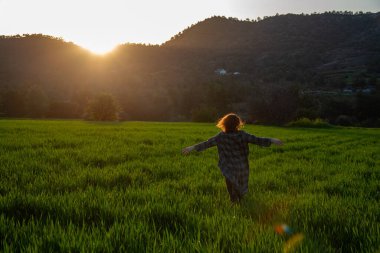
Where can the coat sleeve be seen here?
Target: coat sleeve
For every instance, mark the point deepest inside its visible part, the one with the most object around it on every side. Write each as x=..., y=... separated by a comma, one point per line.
x=206, y=144
x=260, y=141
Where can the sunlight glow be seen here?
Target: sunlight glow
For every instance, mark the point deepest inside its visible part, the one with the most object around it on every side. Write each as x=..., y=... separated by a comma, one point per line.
x=97, y=47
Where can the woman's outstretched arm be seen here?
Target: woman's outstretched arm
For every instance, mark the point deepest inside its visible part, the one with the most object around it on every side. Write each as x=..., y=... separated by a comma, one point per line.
x=200, y=146
x=277, y=142
x=187, y=150
x=262, y=141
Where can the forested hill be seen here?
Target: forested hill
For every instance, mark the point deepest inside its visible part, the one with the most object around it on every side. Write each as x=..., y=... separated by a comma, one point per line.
x=284, y=32
x=276, y=58
x=288, y=42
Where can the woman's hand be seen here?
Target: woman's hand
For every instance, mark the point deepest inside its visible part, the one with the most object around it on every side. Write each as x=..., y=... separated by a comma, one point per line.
x=187, y=150
x=277, y=142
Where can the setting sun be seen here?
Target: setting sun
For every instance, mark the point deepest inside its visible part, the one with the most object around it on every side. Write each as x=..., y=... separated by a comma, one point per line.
x=98, y=47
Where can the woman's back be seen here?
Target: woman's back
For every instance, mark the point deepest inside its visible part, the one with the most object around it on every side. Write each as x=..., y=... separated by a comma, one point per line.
x=233, y=152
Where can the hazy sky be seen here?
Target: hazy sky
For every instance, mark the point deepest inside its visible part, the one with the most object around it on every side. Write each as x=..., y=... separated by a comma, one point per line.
x=99, y=25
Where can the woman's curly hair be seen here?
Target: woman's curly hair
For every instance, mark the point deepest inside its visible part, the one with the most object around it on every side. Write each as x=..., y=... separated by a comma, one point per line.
x=231, y=122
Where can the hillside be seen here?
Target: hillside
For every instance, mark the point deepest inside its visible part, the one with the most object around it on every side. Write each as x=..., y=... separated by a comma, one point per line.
x=284, y=54
x=316, y=43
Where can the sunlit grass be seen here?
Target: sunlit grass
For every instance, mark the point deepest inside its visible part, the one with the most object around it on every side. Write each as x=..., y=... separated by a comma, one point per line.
x=75, y=186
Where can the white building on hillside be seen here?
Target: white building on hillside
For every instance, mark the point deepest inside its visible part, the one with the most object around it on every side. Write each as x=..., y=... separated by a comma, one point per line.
x=221, y=72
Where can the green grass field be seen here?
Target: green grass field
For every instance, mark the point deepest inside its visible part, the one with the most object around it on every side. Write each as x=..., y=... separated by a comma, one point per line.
x=73, y=186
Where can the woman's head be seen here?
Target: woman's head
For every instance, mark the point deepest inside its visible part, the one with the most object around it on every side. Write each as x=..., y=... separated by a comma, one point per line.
x=230, y=123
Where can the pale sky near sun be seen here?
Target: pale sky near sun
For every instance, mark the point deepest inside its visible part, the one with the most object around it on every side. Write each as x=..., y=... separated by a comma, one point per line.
x=99, y=25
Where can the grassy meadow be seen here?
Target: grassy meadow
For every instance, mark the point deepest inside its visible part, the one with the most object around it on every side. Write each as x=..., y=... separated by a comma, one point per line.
x=74, y=186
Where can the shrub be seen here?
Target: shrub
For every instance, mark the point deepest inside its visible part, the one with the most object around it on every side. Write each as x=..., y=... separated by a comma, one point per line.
x=344, y=120
x=204, y=114
x=103, y=108
x=305, y=122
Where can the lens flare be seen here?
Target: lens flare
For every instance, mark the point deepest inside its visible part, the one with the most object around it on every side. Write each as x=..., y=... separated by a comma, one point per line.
x=293, y=239
x=283, y=229
x=293, y=242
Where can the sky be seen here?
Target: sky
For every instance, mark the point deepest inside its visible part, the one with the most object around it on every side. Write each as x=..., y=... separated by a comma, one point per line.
x=100, y=25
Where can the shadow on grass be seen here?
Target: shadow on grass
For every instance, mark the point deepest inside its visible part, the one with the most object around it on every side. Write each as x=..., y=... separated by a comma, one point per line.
x=264, y=213
x=22, y=209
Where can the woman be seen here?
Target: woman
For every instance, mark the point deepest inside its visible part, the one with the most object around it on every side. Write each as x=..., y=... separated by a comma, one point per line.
x=233, y=152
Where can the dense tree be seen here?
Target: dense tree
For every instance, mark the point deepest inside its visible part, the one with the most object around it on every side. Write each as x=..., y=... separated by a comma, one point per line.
x=368, y=106
x=64, y=110
x=103, y=108
x=36, y=102
x=13, y=102
x=204, y=113
x=276, y=104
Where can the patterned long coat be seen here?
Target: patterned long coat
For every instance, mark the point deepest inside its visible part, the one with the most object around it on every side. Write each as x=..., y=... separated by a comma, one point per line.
x=233, y=155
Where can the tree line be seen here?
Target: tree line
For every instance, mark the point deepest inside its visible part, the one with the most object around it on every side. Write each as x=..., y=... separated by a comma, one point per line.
x=270, y=104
